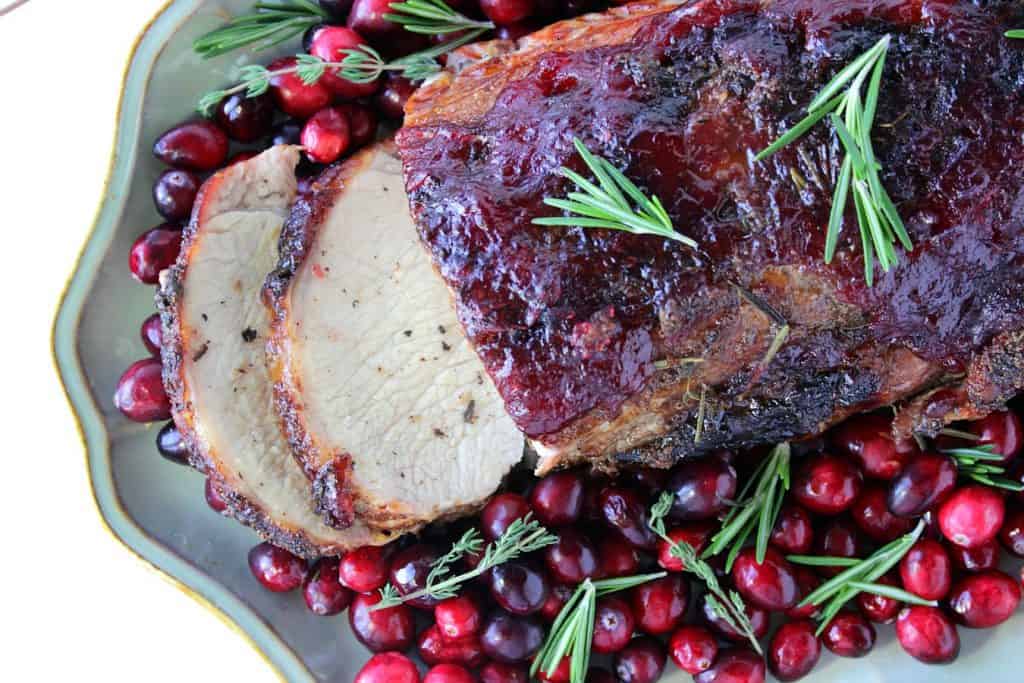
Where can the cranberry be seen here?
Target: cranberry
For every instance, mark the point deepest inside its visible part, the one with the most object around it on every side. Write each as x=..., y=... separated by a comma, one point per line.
x=879, y=608
x=457, y=617
x=276, y=568
x=693, y=649
x=827, y=484
x=758, y=622
x=923, y=483
x=985, y=556
x=170, y=444
x=618, y=558
x=1003, y=431
x=153, y=251
x=246, y=119
x=497, y=672
x=1012, y=533
x=391, y=99
x=659, y=605
x=595, y=675
x=868, y=440
x=511, y=639
x=985, y=599
x=515, y=31
x=572, y=559
x=140, y=394
x=362, y=123
x=328, y=43
x=849, y=635
x=561, y=674
x=702, y=488
x=972, y=516
x=152, y=334
x=557, y=499
x=434, y=649
x=500, y=512
x=196, y=145
x=613, y=625
x=793, y=532
x=214, y=498
x=409, y=570
x=388, y=667
x=367, y=17
x=871, y=514
x=326, y=136
x=388, y=628
x=519, y=588
x=695, y=534
x=624, y=511
x=174, y=193
x=448, y=673
x=770, y=584
x=926, y=571
x=642, y=661
x=808, y=582
x=794, y=650
x=323, y=594
x=838, y=539
x=294, y=97
x=926, y=634
x=559, y=595
x=364, y=570
x=503, y=12
x=649, y=479
x=734, y=665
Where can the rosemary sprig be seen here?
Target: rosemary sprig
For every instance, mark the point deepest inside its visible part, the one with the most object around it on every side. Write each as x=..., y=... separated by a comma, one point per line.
x=728, y=605
x=267, y=25
x=572, y=632
x=852, y=118
x=843, y=587
x=975, y=463
x=757, y=508
x=607, y=203
x=523, y=536
x=431, y=17
x=1015, y=33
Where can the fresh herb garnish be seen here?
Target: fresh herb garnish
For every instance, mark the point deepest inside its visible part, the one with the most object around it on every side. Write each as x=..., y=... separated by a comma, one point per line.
x=267, y=25
x=852, y=118
x=975, y=463
x=524, y=535
x=607, y=204
x=431, y=17
x=1015, y=33
x=843, y=587
x=572, y=632
x=757, y=508
x=727, y=605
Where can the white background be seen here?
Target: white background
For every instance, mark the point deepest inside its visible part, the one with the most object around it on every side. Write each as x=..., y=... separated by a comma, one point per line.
x=75, y=605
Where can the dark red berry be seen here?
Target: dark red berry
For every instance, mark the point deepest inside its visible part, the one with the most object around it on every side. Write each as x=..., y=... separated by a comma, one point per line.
x=388, y=667
x=839, y=538
x=924, y=483
x=294, y=97
x=613, y=625
x=879, y=609
x=276, y=568
x=1011, y=535
x=1003, y=431
x=757, y=617
x=926, y=570
x=434, y=649
x=868, y=440
x=618, y=558
x=510, y=639
x=794, y=650
x=519, y=587
x=871, y=514
x=972, y=515
x=557, y=499
x=625, y=512
x=448, y=673
x=562, y=672
x=595, y=675
x=849, y=635
x=497, y=672
x=367, y=18
x=500, y=512
x=572, y=559
x=393, y=95
x=326, y=136
x=516, y=30
x=927, y=634
x=409, y=570
x=457, y=617
x=695, y=534
x=827, y=484
x=197, y=145
x=734, y=665
x=329, y=44
x=793, y=533
x=365, y=569
x=323, y=594
x=170, y=444
x=985, y=556
x=246, y=119
x=559, y=595
x=154, y=251
x=659, y=605
x=362, y=123
x=808, y=582
x=151, y=333
x=174, y=193
x=770, y=584
x=140, y=394
x=388, y=628
x=642, y=661
x=701, y=488
x=213, y=497
x=504, y=12
x=985, y=599
x=693, y=649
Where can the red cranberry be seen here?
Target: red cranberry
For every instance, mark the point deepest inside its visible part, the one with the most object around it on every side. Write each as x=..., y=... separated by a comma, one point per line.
x=972, y=516
x=838, y=539
x=693, y=649
x=924, y=483
x=868, y=440
x=624, y=511
x=367, y=17
x=793, y=532
x=448, y=673
x=362, y=123
x=695, y=534
x=702, y=488
x=618, y=558
x=196, y=145
x=557, y=499
x=770, y=584
x=326, y=136
x=246, y=119
x=214, y=499
x=648, y=479
x=152, y=334
x=849, y=635
x=365, y=569
x=434, y=649
x=140, y=394
x=827, y=484
x=561, y=674
x=276, y=568
x=500, y=512
x=758, y=621
x=497, y=672
x=519, y=588
x=642, y=661
x=515, y=31
x=926, y=571
x=613, y=625
x=879, y=609
x=794, y=650
x=170, y=444
x=572, y=559
x=294, y=97
x=985, y=556
x=559, y=595
x=511, y=639
x=659, y=605
x=388, y=628
x=503, y=12
x=1012, y=533
x=985, y=599
x=388, y=667
x=409, y=570
x=808, y=582
x=1003, y=430
x=174, y=193
x=153, y=251
x=391, y=99
x=871, y=514
x=734, y=665
x=323, y=594
x=927, y=634
x=328, y=43
x=457, y=617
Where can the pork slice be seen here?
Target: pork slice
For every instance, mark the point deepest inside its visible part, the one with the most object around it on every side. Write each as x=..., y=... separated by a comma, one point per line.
x=214, y=330
x=384, y=402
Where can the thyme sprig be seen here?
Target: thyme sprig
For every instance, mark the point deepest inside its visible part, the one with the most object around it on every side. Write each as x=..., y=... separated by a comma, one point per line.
x=607, y=204
x=727, y=605
x=431, y=17
x=852, y=117
x=975, y=463
x=572, y=632
x=524, y=535
x=757, y=508
x=267, y=25
x=863, y=574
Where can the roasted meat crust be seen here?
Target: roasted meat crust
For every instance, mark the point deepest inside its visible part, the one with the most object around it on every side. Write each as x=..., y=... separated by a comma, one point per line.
x=580, y=329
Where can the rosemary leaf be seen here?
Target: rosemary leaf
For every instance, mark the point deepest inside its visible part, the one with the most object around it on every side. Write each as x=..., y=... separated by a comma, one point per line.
x=823, y=561
x=431, y=17
x=267, y=25
x=1015, y=33
x=892, y=592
